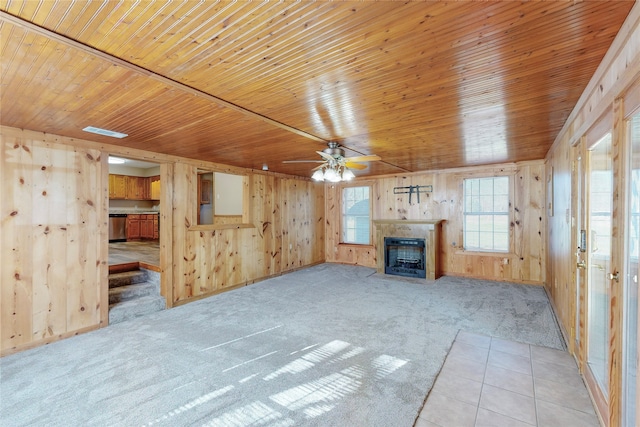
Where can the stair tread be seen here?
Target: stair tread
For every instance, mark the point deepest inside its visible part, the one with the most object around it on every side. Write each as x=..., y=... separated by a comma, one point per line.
x=126, y=278
x=133, y=294
x=137, y=290
x=137, y=301
x=138, y=307
x=125, y=288
x=126, y=274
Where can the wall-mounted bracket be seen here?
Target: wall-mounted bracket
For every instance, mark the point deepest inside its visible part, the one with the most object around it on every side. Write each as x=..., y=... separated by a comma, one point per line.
x=413, y=189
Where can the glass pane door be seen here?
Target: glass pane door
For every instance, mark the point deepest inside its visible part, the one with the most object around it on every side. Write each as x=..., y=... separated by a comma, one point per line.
x=599, y=252
x=580, y=239
x=631, y=280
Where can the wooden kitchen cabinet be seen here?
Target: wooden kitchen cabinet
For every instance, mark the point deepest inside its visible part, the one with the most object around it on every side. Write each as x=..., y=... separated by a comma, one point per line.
x=142, y=226
x=137, y=188
x=134, y=187
x=146, y=226
x=133, y=227
x=154, y=187
x=117, y=186
x=156, y=227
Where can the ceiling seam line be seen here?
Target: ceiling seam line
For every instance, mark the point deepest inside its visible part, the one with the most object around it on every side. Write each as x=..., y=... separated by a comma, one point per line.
x=29, y=26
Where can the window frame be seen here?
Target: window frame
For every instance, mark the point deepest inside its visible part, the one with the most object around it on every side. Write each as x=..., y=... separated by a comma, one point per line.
x=342, y=189
x=508, y=214
x=246, y=201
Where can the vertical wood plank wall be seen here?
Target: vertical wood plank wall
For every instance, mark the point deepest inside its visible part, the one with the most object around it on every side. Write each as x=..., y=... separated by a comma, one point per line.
x=614, y=86
x=54, y=207
x=528, y=221
x=54, y=236
x=287, y=233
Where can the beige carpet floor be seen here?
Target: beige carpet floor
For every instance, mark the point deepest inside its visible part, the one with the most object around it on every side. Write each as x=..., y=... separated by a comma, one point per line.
x=330, y=345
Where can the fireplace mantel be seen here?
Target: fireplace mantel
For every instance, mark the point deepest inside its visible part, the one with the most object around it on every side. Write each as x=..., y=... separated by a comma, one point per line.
x=431, y=231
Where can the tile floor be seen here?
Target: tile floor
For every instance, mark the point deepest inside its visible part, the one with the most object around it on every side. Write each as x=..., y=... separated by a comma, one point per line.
x=491, y=382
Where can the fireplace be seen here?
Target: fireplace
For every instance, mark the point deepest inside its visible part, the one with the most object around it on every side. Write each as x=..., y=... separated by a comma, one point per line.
x=405, y=256
x=429, y=231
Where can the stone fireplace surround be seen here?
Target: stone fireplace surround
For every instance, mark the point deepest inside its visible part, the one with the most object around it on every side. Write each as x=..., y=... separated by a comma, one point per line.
x=431, y=231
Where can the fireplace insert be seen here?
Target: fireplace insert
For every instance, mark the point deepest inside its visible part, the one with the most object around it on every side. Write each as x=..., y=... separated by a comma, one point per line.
x=404, y=256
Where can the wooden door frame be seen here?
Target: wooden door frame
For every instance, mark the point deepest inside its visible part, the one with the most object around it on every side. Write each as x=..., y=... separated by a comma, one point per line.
x=598, y=397
x=578, y=182
x=607, y=405
x=610, y=406
x=166, y=231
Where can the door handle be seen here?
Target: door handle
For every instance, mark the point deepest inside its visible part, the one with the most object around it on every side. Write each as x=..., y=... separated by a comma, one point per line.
x=614, y=276
x=580, y=264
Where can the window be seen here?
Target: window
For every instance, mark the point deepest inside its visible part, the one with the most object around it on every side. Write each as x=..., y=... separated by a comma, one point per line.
x=486, y=214
x=356, y=215
x=220, y=198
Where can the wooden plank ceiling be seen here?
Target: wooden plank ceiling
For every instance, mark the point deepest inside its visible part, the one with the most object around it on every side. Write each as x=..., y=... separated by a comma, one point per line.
x=424, y=85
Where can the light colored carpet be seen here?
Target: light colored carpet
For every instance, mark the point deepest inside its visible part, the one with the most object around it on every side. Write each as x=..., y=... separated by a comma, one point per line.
x=329, y=345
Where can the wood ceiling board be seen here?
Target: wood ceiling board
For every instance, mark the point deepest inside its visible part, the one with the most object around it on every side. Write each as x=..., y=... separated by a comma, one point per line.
x=157, y=117
x=527, y=68
x=377, y=75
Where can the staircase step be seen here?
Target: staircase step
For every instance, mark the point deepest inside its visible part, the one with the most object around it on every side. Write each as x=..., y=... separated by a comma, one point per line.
x=137, y=307
x=127, y=278
x=128, y=292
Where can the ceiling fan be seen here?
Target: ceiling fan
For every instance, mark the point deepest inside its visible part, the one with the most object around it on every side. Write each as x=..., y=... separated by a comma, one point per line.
x=334, y=165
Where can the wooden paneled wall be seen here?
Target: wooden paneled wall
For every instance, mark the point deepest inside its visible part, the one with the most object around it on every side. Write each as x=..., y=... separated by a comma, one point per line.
x=53, y=244
x=559, y=240
x=611, y=95
x=287, y=232
x=54, y=236
x=524, y=263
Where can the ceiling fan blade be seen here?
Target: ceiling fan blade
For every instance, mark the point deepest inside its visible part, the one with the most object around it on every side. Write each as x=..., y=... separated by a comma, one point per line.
x=329, y=157
x=352, y=165
x=371, y=158
x=317, y=167
x=303, y=161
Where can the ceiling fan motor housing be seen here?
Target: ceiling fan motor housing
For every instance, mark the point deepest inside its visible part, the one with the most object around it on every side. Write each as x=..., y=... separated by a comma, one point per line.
x=334, y=150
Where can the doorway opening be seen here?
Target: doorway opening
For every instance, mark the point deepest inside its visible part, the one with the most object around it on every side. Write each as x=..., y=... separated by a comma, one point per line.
x=134, y=238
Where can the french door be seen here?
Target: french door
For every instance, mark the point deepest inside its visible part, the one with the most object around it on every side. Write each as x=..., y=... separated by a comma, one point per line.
x=631, y=272
x=599, y=201
x=603, y=168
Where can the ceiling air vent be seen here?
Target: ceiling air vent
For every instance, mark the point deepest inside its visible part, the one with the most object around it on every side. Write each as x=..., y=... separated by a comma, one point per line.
x=104, y=132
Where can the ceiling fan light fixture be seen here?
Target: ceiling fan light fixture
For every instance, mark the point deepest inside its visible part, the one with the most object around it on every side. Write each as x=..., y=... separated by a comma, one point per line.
x=347, y=175
x=331, y=175
x=318, y=175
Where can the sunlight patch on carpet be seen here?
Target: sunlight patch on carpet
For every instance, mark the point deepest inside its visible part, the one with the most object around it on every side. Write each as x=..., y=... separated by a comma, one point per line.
x=330, y=388
x=254, y=414
x=309, y=360
x=386, y=365
x=192, y=404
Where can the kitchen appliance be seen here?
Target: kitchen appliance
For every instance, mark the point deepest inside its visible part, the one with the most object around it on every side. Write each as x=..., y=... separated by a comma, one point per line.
x=117, y=228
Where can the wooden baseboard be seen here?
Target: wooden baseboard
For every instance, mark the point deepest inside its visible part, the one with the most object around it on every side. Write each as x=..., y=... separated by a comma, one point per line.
x=45, y=341
x=240, y=285
x=494, y=279
x=568, y=342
